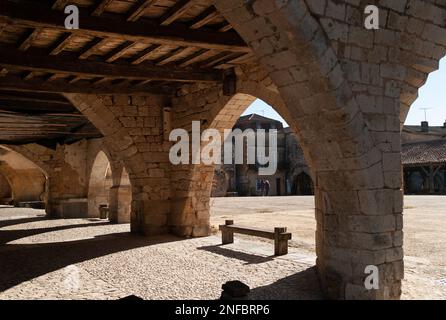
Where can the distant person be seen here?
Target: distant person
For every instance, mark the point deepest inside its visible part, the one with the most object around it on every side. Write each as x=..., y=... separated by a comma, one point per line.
x=262, y=187
x=267, y=188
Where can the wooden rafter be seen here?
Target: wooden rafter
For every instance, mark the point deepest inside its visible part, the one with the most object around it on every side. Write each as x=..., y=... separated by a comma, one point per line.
x=102, y=80
x=74, y=79
x=206, y=17
x=119, y=51
x=60, y=4
x=226, y=27
x=61, y=86
x=61, y=43
x=8, y=96
x=224, y=60
x=142, y=56
x=52, y=77
x=100, y=8
x=31, y=105
x=176, y=11
x=170, y=57
x=143, y=30
x=27, y=42
x=28, y=76
x=192, y=58
x=92, y=48
x=215, y=59
x=138, y=9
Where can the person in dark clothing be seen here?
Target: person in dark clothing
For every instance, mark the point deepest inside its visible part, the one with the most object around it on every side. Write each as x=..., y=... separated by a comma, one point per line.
x=262, y=187
x=267, y=188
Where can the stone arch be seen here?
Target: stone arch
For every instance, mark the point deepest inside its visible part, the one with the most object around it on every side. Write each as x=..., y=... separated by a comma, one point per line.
x=100, y=182
x=303, y=184
x=124, y=196
x=132, y=129
x=37, y=158
x=352, y=151
x=27, y=180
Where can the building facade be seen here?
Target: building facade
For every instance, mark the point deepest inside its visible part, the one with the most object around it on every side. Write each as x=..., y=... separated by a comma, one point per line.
x=291, y=178
x=423, y=158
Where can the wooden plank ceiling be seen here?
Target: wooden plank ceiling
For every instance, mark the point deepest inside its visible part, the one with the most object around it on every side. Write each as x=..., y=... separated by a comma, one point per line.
x=122, y=46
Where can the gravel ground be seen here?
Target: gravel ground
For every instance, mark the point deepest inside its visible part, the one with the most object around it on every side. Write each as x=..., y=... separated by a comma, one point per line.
x=90, y=259
x=424, y=233
x=82, y=259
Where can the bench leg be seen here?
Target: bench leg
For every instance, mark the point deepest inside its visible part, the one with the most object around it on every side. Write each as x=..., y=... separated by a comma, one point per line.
x=280, y=245
x=227, y=237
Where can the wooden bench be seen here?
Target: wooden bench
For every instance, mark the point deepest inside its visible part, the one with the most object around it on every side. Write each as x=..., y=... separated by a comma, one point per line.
x=279, y=235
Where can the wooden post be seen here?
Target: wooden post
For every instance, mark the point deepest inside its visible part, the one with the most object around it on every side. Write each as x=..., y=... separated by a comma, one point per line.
x=431, y=180
x=227, y=236
x=280, y=243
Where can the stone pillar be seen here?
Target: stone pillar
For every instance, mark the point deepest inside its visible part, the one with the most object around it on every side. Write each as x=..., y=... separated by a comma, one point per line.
x=356, y=229
x=67, y=182
x=120, y=204
x=191, y=188
x=342, y=86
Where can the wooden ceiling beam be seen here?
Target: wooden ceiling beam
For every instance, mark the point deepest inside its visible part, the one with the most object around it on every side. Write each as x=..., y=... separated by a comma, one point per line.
x=204, y=18
x=92, y=48
x=37, y=61
x=170, y=57
x=101, y=7
x=60, y=4
x=32, y=105
x=27, y=42
x=192, y=58
x=138, y=9
x=61, y=44
x=225, y=28
x=142, y=56
x=28, y=76
x=60, y=86
x=111, y=26
x=119, y=51
x=33, y=98
x=176, y=12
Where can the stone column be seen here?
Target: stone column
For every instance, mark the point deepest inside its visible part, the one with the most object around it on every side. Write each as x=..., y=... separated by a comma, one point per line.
x=120, y=204
x=191, y=189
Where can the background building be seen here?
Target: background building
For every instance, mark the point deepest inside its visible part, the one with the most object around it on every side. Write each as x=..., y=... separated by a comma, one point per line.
x=423, y=157
x=292, y=176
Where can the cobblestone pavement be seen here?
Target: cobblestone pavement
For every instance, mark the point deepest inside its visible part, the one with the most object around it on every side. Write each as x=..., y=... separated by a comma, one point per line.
x=82, y=259
x=90, y=259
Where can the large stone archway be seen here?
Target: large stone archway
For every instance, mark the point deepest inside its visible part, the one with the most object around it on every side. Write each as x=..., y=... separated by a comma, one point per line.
x=27, y=180
x=353, y=150
x=132, y=129
x=343, y=89
x=100, y=182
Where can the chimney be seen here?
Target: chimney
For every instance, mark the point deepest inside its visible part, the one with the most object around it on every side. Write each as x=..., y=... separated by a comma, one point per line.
x=424, y=126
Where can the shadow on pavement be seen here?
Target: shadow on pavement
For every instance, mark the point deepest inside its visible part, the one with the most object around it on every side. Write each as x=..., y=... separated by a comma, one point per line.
x=231, y=253
x=11, y=235
x=20, y=263
x=303, y=285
